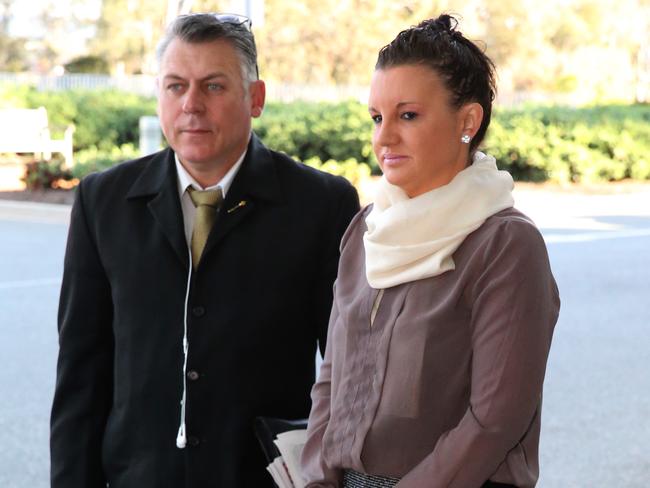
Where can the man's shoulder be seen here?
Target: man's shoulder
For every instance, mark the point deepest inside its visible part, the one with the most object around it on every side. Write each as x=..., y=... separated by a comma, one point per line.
x=302, y=174
x=104, y=189
x=124, y=171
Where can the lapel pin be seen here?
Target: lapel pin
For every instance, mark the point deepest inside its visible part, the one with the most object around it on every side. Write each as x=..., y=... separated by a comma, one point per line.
x=240, y=204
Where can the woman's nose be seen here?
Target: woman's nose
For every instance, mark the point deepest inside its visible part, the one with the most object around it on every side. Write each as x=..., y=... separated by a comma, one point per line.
x=386, y=133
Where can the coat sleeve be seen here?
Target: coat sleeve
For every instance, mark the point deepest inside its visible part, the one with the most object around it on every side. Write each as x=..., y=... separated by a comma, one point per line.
x=514, y=308
x=346, y=205
x=83, y=390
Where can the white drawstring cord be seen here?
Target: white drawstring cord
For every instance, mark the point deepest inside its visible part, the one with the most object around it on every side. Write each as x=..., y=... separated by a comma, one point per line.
x=181, y=438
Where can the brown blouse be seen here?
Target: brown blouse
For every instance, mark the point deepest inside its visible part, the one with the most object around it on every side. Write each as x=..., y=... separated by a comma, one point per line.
x=444, y=388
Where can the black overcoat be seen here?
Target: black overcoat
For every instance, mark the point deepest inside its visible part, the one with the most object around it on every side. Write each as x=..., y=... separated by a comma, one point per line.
x=258, y=303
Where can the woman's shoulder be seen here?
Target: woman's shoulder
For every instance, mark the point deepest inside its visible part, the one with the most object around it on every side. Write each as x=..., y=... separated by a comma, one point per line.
x=509, y=215
x=509, y=223
x=508, y=234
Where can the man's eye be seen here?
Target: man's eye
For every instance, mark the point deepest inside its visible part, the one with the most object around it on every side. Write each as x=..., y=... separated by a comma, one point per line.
x=409, y=115
x=174, y=87
x=214, y=86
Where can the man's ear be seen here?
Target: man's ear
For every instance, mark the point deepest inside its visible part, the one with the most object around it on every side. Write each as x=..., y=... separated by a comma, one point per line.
x=157, y=85
x=257, y=92
x=471, y=118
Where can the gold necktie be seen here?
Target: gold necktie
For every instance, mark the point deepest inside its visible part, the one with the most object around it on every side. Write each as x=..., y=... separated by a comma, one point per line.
x=206, y=203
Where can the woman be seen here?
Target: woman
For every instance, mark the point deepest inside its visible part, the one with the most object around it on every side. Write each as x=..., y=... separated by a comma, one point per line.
x=444, y=304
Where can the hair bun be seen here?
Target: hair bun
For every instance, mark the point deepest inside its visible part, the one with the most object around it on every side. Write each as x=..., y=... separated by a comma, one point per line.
x=444, y=23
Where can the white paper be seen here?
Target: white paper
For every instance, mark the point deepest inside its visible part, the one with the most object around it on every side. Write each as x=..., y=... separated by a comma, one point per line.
x=290, y=445
x=279, y=473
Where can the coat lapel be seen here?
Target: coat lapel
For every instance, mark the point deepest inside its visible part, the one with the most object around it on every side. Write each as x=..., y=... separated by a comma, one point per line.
x=158, y=182
x=256, y=182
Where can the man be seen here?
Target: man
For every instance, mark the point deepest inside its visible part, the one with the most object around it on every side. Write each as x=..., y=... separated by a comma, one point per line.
x=173, y=338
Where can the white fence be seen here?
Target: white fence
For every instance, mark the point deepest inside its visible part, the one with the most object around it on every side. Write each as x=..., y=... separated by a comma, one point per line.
x=141, y=84
x=146, y=85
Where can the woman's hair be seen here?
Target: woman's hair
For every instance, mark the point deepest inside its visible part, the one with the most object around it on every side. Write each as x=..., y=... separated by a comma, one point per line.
x=466, y=71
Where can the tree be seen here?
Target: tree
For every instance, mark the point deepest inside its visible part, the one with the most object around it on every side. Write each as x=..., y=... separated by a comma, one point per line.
x=177, y=7
x=556, y=45
x=87, y=64
x=326, y=41
x=13, y=52
x=127, y=32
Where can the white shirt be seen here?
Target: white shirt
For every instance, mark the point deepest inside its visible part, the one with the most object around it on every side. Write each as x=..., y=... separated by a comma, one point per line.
x=185, y=180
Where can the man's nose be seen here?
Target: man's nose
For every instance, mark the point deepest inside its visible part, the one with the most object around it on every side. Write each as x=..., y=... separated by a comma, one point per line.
x=193, y=100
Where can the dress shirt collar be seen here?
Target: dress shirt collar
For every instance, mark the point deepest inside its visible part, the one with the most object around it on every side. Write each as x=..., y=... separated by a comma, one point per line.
x=185, y=179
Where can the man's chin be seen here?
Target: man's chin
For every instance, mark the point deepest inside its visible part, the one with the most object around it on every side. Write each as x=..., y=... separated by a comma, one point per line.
x=195, y=159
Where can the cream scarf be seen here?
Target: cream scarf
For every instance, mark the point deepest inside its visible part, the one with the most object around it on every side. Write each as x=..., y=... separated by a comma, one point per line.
x=413, y=238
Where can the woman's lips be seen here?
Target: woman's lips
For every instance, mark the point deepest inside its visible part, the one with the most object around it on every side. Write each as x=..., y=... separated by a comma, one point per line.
x=393, y=158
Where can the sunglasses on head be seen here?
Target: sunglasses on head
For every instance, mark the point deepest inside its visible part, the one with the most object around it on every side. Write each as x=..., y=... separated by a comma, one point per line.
x=236, y=19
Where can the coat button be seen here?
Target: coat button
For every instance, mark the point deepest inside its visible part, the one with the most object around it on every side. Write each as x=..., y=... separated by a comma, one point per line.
x=198, y=311
x=193, y=375
x=193, y=441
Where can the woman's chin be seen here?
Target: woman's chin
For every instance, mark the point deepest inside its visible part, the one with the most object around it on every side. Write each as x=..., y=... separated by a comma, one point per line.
x=403, y=184
x=394, y=178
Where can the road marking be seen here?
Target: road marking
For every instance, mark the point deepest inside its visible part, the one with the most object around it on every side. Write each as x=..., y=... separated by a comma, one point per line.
x=594, y=236
x=10, y=285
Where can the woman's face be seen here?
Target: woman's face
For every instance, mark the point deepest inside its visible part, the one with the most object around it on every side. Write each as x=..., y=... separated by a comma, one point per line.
x=417, y=136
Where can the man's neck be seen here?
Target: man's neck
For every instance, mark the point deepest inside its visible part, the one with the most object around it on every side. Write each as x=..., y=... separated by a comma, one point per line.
x=206, y=177
x=224, y=179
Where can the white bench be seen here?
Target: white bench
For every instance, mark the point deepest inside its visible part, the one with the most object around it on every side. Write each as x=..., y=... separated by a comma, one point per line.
x=25, y=130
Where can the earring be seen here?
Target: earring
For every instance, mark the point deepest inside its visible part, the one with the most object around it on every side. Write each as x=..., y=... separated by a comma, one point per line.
x=465, y=139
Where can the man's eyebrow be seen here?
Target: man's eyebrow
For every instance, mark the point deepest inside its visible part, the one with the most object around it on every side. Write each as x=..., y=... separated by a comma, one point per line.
x=210, y=76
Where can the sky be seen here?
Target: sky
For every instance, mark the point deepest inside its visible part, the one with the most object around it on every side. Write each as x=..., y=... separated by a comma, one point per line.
x=26, y=14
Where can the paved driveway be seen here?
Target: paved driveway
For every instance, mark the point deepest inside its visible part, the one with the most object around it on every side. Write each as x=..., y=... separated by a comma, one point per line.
x=596, y=422
x=32, y=240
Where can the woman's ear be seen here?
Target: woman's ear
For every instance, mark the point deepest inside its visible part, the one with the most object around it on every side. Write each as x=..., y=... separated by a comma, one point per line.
x=471, y=118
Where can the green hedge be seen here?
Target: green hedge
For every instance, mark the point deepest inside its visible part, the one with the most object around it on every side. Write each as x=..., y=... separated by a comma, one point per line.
x=603, y=143
x=327, y=131
x=103, y=119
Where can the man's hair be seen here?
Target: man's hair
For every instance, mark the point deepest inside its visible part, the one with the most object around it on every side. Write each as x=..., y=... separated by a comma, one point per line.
x=465, y=70
x=199, y=28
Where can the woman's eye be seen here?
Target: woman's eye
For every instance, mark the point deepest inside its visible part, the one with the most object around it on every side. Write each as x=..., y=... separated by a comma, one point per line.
x=376, y=119
x=409, y=115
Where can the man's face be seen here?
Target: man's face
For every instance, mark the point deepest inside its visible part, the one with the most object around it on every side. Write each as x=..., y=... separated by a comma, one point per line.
x=204, y=108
